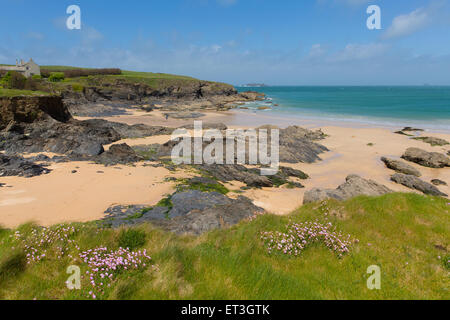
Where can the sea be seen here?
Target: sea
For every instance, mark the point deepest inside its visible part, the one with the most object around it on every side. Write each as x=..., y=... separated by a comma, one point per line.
x=427, y=107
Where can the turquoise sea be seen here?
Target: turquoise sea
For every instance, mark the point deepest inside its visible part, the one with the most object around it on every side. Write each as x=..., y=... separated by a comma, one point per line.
x=425, y=106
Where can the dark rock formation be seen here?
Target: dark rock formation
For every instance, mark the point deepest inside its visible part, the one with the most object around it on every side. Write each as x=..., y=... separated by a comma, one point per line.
x=24, y=109
x=208, y=126
x=438, y=182
x=193, y=212
x=129, y=131
x=433, y=141
x=411, y=129
x=220, y=216
x=251, y=177
x=74, y=138
x=19, y=166
x=118, y=154
x=185, y=115
x=400, y=166
x=253, y=95
x=298, y=145
x=413, y=182
x=353, y=187
x=235, y=172
x=426, y=159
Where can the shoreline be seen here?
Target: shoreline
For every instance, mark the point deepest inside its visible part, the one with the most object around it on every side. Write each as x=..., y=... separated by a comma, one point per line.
x=312, y=122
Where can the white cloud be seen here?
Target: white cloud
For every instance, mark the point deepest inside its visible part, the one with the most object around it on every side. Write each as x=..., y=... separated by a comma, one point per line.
x=226, y=2
x=316, y=51
x=407, y=24
x=353, y=52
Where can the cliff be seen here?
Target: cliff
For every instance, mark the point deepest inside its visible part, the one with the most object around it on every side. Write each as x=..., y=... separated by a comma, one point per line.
x=29, y=109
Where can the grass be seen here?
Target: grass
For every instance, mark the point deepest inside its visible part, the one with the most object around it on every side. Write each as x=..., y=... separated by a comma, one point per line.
x=404, y=234
x=16, y=92
x=186, y=184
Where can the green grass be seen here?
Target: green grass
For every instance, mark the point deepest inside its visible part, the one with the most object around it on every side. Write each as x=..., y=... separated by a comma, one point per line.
x=16, y=92
x=404, y=234
x=186, y=184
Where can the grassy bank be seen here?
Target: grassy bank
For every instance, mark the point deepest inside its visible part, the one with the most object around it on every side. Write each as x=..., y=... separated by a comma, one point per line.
x=405, y=234
x=17, y=92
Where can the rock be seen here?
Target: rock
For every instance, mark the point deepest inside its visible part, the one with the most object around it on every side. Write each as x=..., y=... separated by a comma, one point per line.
x=253, y=96
x=74, y=171
x=193, y=212
x=235, y=172
x=106, y=109
x=185, y=202
x=353, y=187
x=118, y=154
x=426, y=159
x=2, y=185
x=413, y=182
x=220, y=216
x=400, y=166
x=264, y=108
x=19, y=166
x=291, y=172
x=80, y=140
x=438, y=182
x=26, y=109
x=207, y=126
x=298, y=145
x=129, y=131
x=403, y=133
x=433, y=141
x=185, y=115
x=411, y=129
x=74, y=137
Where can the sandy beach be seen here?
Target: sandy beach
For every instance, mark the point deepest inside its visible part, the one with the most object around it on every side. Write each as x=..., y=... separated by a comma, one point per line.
x=63, y=196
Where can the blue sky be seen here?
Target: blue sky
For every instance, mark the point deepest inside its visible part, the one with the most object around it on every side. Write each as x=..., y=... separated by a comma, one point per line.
x=304, y=42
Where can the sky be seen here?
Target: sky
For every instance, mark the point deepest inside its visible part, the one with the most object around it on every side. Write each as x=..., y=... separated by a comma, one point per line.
x=283, y=42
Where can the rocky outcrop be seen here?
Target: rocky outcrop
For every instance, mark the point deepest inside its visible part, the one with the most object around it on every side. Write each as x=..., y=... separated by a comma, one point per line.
x=106, y=96
x=353, y=187
x=426, y=159
x=400, y=166
x=438, y=182
x=192, y=212
x=80, y=140
x=118, y=154
x=413, y=182
x=252, y=177
x=25, y=109
x=433, y=141
x=18, y=166
x=253, y=95
x=299, y=145
x=129, y=131
x=184, y=115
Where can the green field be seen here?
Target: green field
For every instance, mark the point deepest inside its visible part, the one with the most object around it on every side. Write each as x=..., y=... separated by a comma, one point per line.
x=406, y=235
x=16, y=92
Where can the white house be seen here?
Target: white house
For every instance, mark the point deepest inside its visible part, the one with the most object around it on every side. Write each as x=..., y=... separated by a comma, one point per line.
x=28, y=69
